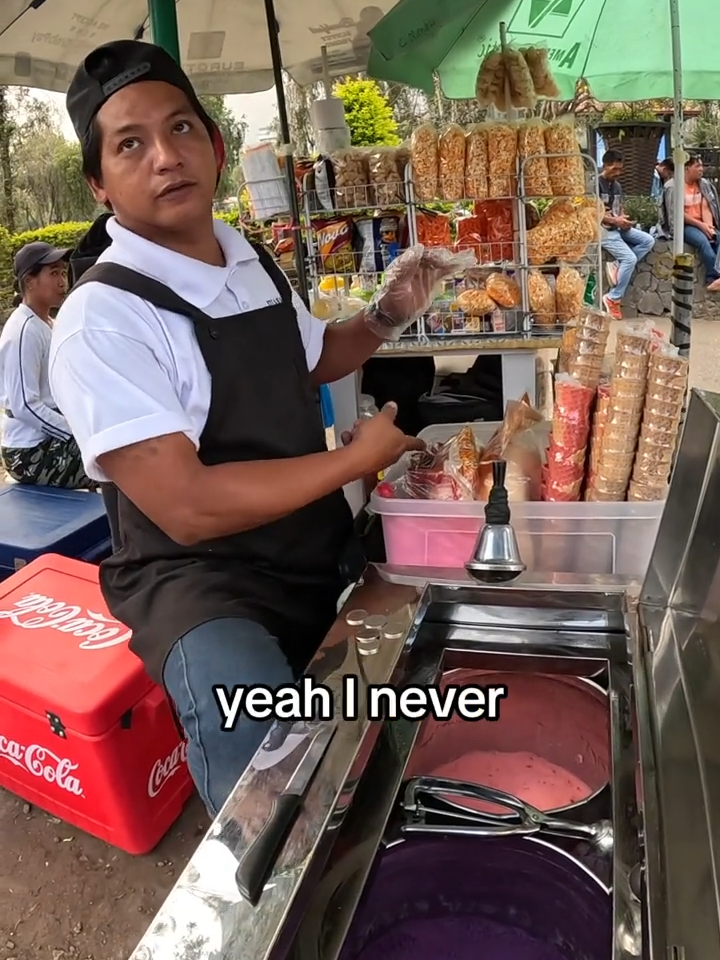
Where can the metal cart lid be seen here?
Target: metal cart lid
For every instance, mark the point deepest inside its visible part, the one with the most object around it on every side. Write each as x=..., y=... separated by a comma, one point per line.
x=675, y=639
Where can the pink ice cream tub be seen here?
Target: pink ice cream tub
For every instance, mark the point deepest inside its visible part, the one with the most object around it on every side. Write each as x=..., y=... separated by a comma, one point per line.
x=550, y=746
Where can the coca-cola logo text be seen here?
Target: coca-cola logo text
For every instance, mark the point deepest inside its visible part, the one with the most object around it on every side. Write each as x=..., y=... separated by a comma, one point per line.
x=38, y=612
x=42, y=763
x=164, y=769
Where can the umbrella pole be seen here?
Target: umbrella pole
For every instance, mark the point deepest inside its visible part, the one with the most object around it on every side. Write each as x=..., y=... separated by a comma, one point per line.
x=286, y=147
x=164, y=26
x=683, y=263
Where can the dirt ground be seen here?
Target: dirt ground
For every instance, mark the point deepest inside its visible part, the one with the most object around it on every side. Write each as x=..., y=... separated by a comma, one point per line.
x=67, y=896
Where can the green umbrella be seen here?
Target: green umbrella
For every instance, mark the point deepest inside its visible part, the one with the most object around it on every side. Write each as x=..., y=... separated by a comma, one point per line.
x=621, y=47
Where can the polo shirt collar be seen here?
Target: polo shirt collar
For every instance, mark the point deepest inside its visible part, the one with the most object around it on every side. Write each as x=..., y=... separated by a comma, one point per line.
x=197, y=282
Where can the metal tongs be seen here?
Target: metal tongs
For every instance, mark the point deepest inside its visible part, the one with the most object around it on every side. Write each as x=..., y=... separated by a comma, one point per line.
x=426, y=796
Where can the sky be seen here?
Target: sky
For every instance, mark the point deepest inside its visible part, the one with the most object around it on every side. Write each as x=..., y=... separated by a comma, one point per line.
x=258, y=109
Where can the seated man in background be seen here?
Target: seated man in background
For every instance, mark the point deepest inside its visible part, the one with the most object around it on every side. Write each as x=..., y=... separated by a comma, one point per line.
x=620, y=236
x=665, y=171
x=702, y=216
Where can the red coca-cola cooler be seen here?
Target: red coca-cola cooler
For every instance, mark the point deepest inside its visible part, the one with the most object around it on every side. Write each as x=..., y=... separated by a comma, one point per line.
x=85, y=734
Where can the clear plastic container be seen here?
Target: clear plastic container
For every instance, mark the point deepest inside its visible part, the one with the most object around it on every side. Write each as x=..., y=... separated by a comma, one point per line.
x=584, y=538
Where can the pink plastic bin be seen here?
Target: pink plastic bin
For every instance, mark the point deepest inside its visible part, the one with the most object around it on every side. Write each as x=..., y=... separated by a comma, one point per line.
x=590, y=538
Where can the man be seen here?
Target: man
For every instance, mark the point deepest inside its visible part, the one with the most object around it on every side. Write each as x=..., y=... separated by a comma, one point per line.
x=702, y=217
x=620, y=238
x=665, y=171
x=188, y=371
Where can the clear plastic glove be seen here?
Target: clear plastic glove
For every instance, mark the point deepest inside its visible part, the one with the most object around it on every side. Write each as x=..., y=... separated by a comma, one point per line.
x=409, y=286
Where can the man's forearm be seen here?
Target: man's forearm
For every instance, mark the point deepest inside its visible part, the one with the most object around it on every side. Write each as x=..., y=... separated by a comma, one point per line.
x=347, y=346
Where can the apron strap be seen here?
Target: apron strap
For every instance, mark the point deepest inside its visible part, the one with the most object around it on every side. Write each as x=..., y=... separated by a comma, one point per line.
x=267, y=261
x=154, y=292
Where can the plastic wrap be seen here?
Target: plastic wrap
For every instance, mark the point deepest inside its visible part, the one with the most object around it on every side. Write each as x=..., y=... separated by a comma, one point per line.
x=567, y=173
x=424, y=157
x=586, y=355
x=447, y=471
x=599, y=420
x=504, y=291
x=476, y=163
x=562, y=234
x=520, y=81
x=385, y=177
x=451, y=163
x=613, y=465
x=520, y=443
x=490, y=82
x=502, y=160
x=407, y=291
x=542, y=297
x=569, y=293
x=564, y=472
x=352, y=179
x=538, y=61
x=531, y=150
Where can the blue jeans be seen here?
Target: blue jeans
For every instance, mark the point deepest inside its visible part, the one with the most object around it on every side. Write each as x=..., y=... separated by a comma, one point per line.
x=227, y=651
x=708, y=250
x=627, y=247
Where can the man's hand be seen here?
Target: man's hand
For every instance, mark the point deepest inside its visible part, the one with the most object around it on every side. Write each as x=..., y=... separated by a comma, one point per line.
x=379, y=441
x=624, y=224
x=708, y=231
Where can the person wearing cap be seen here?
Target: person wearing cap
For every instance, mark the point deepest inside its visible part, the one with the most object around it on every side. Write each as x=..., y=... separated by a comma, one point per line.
x=37, y=443
x=188, y=370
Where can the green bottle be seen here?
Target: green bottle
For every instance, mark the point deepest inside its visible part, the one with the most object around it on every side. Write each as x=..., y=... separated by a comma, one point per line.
x=590, y=289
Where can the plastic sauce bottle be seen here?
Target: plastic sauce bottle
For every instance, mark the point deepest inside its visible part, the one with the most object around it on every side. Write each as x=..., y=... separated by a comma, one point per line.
x=367, y=410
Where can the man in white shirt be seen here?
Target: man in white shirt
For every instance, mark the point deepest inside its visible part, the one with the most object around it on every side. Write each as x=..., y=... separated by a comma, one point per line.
x=38, y=448
x=188, y=371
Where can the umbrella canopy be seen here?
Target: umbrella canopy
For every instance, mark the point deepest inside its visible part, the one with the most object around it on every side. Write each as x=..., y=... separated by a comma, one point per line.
x=621, y=47
x=223, y=43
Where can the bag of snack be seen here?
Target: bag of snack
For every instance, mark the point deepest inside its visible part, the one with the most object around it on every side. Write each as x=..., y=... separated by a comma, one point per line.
x=565, y=470
x=502, y=160
x=538, y=62
x=533, y=162
x=352, y=179
x=424, y=156
x=334, y=241
x=476, y=163
x=504, y=291
x=541, y=296
x=569, y=293
x=476, y=302
x=520, y=441
x=520, y=81
x=565, y=164
x=451, y=163
x=433, y=229
x=490, y=82
x=385, y=178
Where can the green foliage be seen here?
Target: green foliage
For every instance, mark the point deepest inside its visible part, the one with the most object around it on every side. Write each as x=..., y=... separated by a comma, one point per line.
x=233, y=133
x=57, y=235
x=632, y=113
x=643, y=210
x=368, y=113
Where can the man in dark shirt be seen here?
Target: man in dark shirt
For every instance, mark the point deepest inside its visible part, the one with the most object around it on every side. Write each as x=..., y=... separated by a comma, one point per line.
x=620, y=237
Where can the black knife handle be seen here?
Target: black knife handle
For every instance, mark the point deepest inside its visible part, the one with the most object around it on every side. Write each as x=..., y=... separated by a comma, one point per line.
x=260, y=856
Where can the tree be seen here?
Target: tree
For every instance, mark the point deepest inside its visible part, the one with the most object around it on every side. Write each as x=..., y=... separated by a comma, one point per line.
x=367, y=112
x=6, y=172
x=233, y=133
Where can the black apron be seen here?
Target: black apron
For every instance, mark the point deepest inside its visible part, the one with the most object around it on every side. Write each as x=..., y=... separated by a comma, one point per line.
x=286, y=575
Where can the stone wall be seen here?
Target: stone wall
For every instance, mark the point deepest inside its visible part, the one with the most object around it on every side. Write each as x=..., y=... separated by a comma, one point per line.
x=650, y=291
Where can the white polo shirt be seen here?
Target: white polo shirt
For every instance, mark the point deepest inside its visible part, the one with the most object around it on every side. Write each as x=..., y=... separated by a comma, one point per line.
x=123, y=371
x=24, y=387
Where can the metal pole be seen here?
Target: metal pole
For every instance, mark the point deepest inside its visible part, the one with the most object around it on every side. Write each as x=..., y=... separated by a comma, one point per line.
x=164, y=26
x=683, y=263
x=286, y=147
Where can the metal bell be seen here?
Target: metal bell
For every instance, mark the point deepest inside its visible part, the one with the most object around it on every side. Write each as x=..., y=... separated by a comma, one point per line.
x=496, y=557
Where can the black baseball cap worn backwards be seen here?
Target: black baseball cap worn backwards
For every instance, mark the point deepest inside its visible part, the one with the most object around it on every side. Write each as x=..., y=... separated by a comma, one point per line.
x=37, y=254
x=116, y=65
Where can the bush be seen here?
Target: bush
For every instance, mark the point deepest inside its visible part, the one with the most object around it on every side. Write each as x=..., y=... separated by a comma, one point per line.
x=57, y=235
x=643, y=210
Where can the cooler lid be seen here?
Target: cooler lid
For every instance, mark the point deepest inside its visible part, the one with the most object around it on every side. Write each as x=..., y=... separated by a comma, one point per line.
x=675, y=636
x=60, y=650
x=35, y=520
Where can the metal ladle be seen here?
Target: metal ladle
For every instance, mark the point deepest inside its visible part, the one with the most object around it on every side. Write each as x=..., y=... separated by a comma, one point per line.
x=527, y=820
